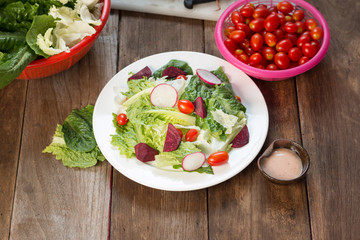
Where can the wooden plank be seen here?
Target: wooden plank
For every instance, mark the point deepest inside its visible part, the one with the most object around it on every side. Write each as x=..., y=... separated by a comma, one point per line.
x=12, y=104
x=247, y=206
x=52, y=201
x=329, y=98
x=139, y=212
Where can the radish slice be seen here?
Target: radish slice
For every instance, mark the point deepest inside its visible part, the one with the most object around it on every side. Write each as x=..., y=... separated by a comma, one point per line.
x=164, y=95
x=208, y=77
x=193, y=161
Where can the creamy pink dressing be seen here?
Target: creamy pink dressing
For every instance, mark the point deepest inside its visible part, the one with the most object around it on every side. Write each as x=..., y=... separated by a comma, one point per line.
x=282, y=164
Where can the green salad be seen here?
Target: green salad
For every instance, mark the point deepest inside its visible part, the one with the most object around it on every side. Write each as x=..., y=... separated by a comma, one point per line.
x=31, y=29
x=173, y=118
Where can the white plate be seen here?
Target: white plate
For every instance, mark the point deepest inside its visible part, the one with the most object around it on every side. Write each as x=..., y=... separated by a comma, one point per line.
x=243, y=86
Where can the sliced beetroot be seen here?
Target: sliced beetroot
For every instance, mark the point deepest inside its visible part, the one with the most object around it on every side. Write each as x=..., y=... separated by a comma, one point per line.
x=145, y=153
x=172, y=140
x=242, y=138
x=200, y=107
x=172, y=72
x=145, y=72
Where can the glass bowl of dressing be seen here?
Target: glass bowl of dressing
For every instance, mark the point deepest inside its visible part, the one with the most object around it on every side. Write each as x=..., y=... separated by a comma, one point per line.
x=284, y=162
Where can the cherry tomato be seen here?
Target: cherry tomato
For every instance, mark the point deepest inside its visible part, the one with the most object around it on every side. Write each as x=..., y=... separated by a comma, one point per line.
x=302, y=40
x=316, y=33
x=295, y=54
x=316, y=44
x=288, y=18
x=261, y=12
x=191, y=135
x=248, y=20
x=247, y=11
x=239, y=51
x=300, y=27
x=257, y=24
x=237, y=36
x=282, y=18
x=249, y=51
x=310, y=24
x=268, y=53
x=284, y=45
x=261, y=6
x=181, y=77
x=230, y=45
x=279, y=34
x=121, y=119
x=260, y=66
x=243, y=58
x=273, y=9
x=271, y=22
x=257, y=41
x=308, y=50
x=244, y=27
x=185, y=106
x=290, y=27
x=285, y=7
x=298, y=15
x=180, y=132
x=303, y=60
x=236, y=17
x=228, y=30
x=292, y=37
x=245, y=43
x=293, y=64
x=218, y=158
x=282, y=60
x=270, y=39
x=255, y=59
x=271, y=66
x=238, y=98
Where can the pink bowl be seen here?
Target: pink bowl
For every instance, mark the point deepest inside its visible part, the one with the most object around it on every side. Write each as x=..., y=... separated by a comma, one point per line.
x=272, y=75
x=46, y=67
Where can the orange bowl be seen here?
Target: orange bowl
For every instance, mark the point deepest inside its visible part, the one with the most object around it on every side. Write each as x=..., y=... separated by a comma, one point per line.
x=45, y=67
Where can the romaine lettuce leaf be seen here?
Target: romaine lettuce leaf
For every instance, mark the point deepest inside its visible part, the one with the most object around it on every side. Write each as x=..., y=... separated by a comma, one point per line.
x=39, y=27
x=69, y=157
x=78, y=131
x=174, y=63
x=215, y=97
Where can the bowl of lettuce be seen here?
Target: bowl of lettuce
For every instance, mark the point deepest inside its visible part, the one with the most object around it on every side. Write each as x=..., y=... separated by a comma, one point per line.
x=39, y=38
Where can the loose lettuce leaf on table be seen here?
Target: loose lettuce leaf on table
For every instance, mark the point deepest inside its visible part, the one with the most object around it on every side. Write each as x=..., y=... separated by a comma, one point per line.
x=70, y=157
x=78, y=130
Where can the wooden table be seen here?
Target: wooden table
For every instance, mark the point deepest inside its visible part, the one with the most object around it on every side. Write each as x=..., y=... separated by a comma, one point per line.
x=42, y=199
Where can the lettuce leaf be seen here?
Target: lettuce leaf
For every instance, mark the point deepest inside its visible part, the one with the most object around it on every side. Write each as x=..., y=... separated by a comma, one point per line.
x=39, y=26
x=12, y=63
x=70, y=157
x=215, y=97
x=78, y=131
x=174, y=63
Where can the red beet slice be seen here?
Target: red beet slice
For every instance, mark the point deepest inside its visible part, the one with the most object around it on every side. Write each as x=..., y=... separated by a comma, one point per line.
x=200, y=107
x=172, y=72
x=172, y=140
x=145, y=153
x=241, y=139
x=145, y=72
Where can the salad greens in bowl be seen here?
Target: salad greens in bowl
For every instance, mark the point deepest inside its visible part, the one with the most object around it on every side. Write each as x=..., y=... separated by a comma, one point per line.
x=174, y=121
x=39, y=38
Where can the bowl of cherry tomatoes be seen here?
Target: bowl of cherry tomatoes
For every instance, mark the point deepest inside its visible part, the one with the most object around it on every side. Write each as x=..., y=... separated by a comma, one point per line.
x=272, y=40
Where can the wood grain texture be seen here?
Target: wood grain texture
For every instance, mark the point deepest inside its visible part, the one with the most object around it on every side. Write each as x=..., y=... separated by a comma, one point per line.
x=52, y=201
x=12, y=105
x=329, y=100
x=139, y=212
x=247, y=206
